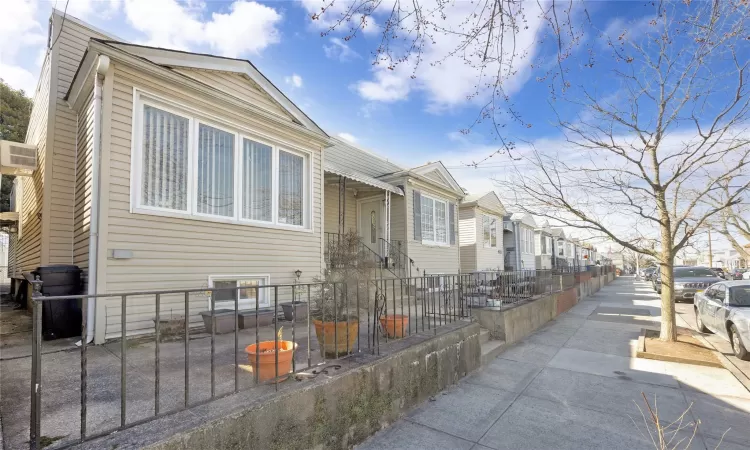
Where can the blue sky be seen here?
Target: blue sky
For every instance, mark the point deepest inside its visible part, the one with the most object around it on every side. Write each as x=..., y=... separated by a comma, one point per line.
x=321, y=74
x=410, y=121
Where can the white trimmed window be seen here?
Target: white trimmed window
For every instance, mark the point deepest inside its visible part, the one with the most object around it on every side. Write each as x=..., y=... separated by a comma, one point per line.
x=434, y=221
x=489, y=227
x=187, y=166
x=246, y=286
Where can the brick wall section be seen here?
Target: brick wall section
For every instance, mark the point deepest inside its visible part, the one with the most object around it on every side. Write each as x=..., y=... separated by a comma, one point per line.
x=566, y=300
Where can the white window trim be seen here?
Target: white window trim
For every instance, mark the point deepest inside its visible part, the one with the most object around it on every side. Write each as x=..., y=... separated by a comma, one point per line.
x=264, y=298
x=241, y=132
x=432, y=242
x=488, y=244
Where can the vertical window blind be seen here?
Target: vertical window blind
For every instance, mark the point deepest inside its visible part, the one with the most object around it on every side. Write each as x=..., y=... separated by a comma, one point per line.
x=291, y=188
x=165, y=159
x=257, y=181
x=272, y=184
x=215, y=171
x=441, y=234
x=428, y=219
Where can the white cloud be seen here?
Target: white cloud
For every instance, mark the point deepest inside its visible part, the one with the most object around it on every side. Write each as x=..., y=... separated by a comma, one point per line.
x=294, y=80
x=248, y=27
x=450, y=78
x=18, y=78
x=340, y=50
x=20, y=31
x=347, y=137
x=388, y=86
x=88, y=9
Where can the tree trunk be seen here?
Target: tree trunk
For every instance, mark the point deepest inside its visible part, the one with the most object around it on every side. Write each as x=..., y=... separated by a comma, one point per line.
x=666, y=266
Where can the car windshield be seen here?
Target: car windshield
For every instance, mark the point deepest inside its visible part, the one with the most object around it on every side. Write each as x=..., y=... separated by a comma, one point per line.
x=690, y=272
x=740, y=295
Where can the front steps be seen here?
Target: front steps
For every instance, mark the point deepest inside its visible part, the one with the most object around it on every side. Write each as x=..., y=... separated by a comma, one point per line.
x=491, y=348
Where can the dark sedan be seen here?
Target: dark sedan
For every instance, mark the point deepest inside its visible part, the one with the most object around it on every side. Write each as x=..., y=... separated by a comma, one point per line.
x=689, y=280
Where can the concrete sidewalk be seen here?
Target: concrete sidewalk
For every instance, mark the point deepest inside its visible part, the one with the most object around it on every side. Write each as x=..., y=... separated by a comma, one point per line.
x=574, y=384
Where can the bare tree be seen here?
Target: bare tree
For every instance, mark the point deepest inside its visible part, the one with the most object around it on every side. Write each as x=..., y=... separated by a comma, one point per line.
x=639, y=166
x=732, y=222
x=491, y=38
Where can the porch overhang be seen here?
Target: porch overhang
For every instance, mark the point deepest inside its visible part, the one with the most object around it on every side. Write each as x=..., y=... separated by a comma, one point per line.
x=332, y=167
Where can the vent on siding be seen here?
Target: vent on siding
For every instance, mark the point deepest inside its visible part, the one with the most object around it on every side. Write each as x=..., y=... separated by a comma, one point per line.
x=17, y=158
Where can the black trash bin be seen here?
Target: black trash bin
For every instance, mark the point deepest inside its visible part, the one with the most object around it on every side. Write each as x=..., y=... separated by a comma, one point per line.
x=60, y=318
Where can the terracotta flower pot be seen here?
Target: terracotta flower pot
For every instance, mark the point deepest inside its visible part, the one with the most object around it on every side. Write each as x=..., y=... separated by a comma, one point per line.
x=266, y=368
x=336, y=338
x=395, y=326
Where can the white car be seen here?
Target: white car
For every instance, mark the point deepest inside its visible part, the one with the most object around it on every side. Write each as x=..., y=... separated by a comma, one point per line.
x=746, y=275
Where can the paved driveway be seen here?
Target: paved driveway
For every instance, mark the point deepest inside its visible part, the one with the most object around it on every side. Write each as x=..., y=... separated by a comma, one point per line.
x=574, y=385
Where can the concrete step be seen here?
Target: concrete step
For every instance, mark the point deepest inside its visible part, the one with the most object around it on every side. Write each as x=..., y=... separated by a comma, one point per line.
x=484, y=336
x=491, y=350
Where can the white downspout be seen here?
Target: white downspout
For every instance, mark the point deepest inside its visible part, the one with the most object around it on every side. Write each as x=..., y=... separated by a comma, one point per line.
x=101, y=70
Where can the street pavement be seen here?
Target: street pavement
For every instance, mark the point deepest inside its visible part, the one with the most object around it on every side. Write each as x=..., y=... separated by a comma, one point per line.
x=574, y=384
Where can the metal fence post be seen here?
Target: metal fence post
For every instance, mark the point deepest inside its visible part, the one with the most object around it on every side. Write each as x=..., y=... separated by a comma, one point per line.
x=35, y=424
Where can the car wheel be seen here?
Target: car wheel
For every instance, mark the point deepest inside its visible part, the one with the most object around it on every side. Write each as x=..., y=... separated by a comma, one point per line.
x=701, y=327
x=739, y=348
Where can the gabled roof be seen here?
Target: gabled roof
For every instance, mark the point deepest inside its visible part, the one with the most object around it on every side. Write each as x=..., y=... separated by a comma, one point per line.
x=440, y=168
x=178, y=58
x=524, y=218
x=488, y=200
x=557, y=232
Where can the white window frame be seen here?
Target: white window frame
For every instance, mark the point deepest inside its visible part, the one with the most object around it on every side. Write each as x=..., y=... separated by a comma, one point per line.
x=241, y=132
x=432, y=241
x=263, y=296
x=489, y=217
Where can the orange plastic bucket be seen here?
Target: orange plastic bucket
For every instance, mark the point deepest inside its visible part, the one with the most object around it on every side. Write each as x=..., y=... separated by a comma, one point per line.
x=336, y=338
x=396, y=326
x=266, y=359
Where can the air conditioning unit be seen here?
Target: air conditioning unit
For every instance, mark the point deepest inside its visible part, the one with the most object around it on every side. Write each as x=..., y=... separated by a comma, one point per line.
x=17, y=158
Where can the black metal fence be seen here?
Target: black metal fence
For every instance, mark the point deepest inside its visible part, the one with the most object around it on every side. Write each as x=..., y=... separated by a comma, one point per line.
x=322, y=322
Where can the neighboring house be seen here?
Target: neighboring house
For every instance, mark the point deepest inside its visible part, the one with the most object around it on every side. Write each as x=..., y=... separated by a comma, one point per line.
x=176, y=170
x=394, y=210
x=519, y=242
x=170, y=170
x=559, y=247
x=543, y=246
x=480, y=232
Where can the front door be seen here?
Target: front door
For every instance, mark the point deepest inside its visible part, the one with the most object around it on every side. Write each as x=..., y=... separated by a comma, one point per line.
x=371, y=223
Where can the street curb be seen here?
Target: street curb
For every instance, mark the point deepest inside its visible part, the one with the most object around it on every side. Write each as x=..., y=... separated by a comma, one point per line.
x=641, y=353
x=741, y=377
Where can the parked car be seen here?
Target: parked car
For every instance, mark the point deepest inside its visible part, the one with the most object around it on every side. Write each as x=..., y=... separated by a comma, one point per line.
x=688, y=281
x=724, y=309
x=736, y=274
x=648, y=272
x=746, y=275
x=719, y=271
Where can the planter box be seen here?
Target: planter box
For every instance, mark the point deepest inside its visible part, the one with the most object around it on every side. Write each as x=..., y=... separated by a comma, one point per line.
x=289, y=309
x=247, y=318
x=223, y=318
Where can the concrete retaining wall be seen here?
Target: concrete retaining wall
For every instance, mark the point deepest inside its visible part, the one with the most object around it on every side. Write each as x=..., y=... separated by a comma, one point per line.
x=566, y=300
x=336, y=411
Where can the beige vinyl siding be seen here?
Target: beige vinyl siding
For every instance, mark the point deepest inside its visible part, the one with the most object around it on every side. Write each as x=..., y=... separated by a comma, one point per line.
x=432, y=259
x=398, y=220
x=437, y=177
x=490, y=203
x=467, y=236
x=489, y=258
x=70, y=48
x=175, y=253
x=331, y=216
x=28, y=249
x=84, y=175
x=237, y=85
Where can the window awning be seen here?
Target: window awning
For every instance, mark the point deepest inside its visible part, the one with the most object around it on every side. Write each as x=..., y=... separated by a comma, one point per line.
x=332, y=167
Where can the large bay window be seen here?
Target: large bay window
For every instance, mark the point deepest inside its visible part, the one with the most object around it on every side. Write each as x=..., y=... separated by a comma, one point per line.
x=186, y=166
x=434, y=221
